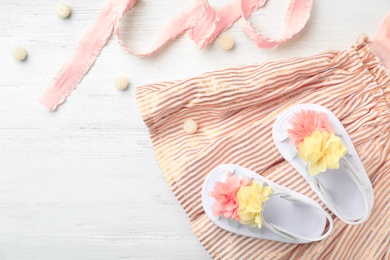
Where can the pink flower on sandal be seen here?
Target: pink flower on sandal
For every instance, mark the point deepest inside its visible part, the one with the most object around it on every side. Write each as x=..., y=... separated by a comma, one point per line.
x=305, y=123
x=225, y=194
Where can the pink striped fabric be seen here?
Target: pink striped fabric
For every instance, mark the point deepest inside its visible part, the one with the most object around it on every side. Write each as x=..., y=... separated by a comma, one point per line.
x=235, y=109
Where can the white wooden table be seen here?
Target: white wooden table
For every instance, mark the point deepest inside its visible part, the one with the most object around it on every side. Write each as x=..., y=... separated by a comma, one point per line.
x=83, y=182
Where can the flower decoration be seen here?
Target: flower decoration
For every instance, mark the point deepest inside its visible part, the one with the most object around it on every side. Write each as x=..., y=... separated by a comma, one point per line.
x=240, y=199
x=313, y=135
x=225, y=195
x=251, y=199
x=322, y=151
x=305, y=123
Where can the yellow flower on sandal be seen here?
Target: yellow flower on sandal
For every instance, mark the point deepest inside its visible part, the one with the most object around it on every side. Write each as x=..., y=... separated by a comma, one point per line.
x=251, y=199
x=322, y=151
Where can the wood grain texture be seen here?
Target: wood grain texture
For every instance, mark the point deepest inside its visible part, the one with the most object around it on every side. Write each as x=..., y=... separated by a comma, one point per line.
x=83, y=182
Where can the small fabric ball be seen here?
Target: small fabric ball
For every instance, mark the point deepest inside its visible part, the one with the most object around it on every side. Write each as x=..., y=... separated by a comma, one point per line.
x=226, y=42
x=121, y=82
x=63, y=10
x=19, y=53
x=190, y=126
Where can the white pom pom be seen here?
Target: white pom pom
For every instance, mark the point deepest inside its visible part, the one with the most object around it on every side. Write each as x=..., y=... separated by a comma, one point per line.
x=226, y=42
x=121, y=82
x=190, y=126
x=19, y=53
x=63, y=10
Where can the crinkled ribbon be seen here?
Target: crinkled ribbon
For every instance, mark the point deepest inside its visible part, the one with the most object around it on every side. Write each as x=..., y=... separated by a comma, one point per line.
x=203, y=22
x=381, y=42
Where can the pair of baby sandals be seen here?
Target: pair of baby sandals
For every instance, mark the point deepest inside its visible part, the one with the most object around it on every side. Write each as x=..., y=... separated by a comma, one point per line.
x=315, y=143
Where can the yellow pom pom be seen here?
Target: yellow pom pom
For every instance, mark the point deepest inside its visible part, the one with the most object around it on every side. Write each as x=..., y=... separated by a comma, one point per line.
x=190, y=126
x=63, y=10
x=226, y=42
x=19, y=53
x=121, y=82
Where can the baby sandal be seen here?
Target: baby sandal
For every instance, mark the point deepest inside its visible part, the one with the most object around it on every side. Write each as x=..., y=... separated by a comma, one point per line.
x=315, y=143
x=243, y=202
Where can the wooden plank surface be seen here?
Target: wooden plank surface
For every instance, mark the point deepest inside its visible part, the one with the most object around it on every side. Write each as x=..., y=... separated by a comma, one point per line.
x=83, y=182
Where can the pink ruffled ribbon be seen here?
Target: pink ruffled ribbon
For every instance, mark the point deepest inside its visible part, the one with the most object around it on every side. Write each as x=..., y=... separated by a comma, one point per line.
x=203, y=22
x=381, y=42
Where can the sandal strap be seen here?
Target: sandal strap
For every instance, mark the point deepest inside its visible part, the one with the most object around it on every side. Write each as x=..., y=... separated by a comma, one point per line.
x=293, y=236
x=357, y=178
